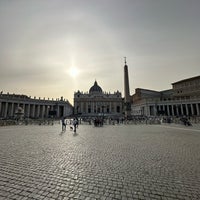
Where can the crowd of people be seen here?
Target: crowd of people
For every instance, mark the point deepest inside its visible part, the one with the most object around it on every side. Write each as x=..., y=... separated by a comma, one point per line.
x=73, y=124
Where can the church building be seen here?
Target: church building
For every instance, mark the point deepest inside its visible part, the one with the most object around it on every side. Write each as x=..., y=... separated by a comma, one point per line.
x=98, y=103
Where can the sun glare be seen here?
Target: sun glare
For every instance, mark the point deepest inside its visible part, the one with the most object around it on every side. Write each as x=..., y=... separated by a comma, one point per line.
x=73, y=72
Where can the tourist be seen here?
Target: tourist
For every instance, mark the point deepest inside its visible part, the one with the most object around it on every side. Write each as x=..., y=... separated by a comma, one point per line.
x=75, y=124
x=63, y=124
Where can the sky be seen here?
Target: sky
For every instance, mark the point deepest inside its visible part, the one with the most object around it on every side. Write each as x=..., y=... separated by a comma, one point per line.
x=53, y=48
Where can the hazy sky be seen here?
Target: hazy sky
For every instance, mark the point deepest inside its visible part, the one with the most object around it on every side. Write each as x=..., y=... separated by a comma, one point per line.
x=42, y=41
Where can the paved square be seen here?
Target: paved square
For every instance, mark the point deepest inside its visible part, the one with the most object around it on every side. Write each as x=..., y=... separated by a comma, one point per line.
x=110, y=162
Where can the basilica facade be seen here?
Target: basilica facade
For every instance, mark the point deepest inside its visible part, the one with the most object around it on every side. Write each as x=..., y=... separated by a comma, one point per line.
x=98, y=103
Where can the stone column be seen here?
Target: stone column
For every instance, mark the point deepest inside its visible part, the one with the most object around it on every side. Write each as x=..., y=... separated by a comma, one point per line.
x=25, y=110
x=172, y=106
x=159, y=108
x=12, y=110
x=36, y=110
x=47, y=111
x=197, y=108
x=28, y=111
x=6, y=110
x=186, y=106
x=192, y=109
x=92, y=106
x=33, y=111
x=58, y=111
x=39, y=111
x=177, y=111
x=43, y=111
x=168, y=112
x=147, y=110
x=182, y=113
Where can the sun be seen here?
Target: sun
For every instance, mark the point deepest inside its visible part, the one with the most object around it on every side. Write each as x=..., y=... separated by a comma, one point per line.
x=73, y=72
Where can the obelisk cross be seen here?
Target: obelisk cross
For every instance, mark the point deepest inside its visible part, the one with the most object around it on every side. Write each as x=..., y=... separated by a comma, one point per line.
x=125, y=60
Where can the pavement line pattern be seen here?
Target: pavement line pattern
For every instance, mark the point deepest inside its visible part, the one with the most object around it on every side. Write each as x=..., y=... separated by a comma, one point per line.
x=185, y=129
x=113, y=162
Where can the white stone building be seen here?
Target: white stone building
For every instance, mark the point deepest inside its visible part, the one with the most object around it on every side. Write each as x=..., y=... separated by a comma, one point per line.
x=182, y=99
x=97, y=103
x=12, y=105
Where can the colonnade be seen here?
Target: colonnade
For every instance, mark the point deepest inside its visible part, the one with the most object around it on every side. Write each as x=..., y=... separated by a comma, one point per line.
x=98, y=107
x=12, y=109
x=187, y=109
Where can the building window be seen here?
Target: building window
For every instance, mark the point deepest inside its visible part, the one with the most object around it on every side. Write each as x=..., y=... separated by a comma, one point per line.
x=89, y=109
x=107, y=110
x=118, y=109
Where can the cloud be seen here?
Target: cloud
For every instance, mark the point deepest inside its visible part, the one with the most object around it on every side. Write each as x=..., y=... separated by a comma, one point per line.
x=42, y=40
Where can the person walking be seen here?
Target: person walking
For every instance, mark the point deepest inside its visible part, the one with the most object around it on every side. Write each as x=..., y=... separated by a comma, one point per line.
x=75, y=123
x=63, y=124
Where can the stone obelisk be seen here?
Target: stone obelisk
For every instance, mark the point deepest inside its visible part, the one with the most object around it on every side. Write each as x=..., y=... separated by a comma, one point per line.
x=127, y=97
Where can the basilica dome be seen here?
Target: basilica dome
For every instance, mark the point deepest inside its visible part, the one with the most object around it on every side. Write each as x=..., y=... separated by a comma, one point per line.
x=95, y=88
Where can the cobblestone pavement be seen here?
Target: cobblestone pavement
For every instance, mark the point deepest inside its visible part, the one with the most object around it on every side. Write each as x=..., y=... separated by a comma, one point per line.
x=111, y=162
